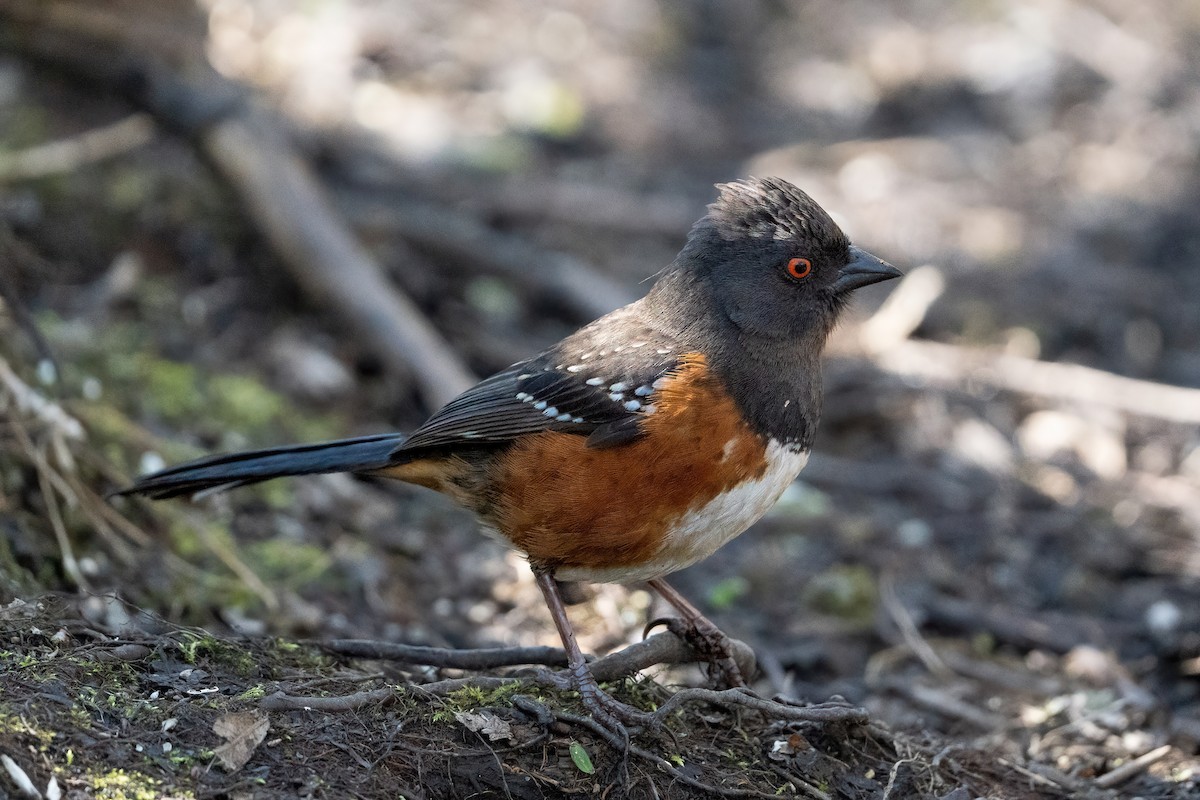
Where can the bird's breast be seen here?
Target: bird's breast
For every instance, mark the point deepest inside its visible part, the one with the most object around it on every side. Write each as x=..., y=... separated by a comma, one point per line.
x=698, y=476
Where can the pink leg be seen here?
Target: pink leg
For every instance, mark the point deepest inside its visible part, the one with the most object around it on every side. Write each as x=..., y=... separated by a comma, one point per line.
x=700, y=632
x=605, y=709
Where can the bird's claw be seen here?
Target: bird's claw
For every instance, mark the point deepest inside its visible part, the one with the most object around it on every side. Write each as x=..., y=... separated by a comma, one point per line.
x=713, y=645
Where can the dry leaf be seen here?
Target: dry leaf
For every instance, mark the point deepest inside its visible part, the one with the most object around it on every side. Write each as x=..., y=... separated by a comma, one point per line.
x=486, y=723
x=243, y=732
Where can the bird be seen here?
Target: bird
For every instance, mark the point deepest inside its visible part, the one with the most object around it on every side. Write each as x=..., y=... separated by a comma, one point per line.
x=644, y=441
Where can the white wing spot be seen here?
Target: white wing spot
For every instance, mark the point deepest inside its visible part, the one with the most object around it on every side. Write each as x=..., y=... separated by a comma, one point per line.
x=644, y=391
x=603, y=353
x=524, y=376
x=662, y=351
x=617, y=397
x=649, y=408
x=586, y=356
x=563, y=418
x=575, y=368
x=619, y=386
x=638, y=344
x=618, y=348
x=632, y=405
x=539, y=405
x=524, y=397
x=551, y=412
x=787, y=403
x=469, y=434
x=661, y=383
x=576, y=419
x=595, y=381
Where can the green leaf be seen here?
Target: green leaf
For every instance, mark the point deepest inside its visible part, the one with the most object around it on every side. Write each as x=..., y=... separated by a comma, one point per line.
x=581, y=758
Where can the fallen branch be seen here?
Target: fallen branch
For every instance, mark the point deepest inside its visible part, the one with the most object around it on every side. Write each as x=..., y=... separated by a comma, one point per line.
x=446, y=658
x=458, y=238
x=281, y=701
x=290, y=207
x=832, y=712
x=68, y=155
x=662, y=648
x=277, y=188
x=1131, y=769
x=964, y=368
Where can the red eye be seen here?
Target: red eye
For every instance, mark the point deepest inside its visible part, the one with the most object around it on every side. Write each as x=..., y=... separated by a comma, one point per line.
x=799, y=267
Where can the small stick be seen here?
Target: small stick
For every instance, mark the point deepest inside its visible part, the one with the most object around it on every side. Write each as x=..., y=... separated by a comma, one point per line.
x=281, y=701
x=68, y=155
x=477, y=659
x=1130, y=769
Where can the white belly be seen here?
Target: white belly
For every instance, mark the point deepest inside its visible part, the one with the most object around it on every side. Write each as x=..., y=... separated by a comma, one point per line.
x=699, y=532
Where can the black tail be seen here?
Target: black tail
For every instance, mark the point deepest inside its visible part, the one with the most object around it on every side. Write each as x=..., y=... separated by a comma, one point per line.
x=362, y=454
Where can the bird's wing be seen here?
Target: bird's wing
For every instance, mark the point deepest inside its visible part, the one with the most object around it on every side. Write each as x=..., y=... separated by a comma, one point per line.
x=590, y=385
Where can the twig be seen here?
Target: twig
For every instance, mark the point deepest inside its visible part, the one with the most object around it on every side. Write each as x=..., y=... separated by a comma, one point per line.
x=1057, y=633
x=67, y=155
x=961, y=367
x=893, y=773
x=282, y=194
x=947, y=705
x=226, y=553
x=908, y=628
x=477, y=659
x=458, y=238
x=280, y=701
x=34, y=403
x=800, y=783
x=1043, y=774
x=825, y=712
x=661, y=648
x=903, y=311
x=276, y=186
x=1130, y=769
x=588, y=205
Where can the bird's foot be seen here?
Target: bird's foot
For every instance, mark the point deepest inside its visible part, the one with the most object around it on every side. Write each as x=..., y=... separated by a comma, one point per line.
x=603, y=707
x=714, y=646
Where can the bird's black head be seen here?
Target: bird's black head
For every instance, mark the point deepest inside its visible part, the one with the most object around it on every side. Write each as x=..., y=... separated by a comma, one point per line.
x=774, y=261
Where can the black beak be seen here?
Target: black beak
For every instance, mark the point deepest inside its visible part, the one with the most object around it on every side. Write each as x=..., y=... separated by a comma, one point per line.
x=863, y=270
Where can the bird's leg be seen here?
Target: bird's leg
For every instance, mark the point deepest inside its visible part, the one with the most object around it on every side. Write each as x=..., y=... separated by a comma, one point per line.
x=606, y=710
x=700, y=632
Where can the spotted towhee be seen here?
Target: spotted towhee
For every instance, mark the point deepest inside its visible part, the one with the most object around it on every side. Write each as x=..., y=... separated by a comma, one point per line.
x=646, y=440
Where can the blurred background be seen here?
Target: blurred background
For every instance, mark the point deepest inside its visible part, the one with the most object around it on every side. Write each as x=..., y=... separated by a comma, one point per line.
x=1007, y=480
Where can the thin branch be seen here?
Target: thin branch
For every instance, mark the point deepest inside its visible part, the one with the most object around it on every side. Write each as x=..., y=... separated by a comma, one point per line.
x=1131, y=769
x=459, y=238
x=824, y=713
x=662, y=648
x=962, y=368
x=68, y=155
x=477, y=659
x=280, y=701
x=281, y=193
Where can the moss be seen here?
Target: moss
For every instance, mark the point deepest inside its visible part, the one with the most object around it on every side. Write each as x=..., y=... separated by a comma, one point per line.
x=470, y=698
x=21, y=726
x=228, y=654
x=255, y=692
x=119, y=784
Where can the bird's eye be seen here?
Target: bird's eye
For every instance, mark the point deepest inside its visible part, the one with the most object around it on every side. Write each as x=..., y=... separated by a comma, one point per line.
x=799, y=267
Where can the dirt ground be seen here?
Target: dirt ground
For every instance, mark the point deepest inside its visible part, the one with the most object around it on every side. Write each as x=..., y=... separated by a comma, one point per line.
x=994, y=552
